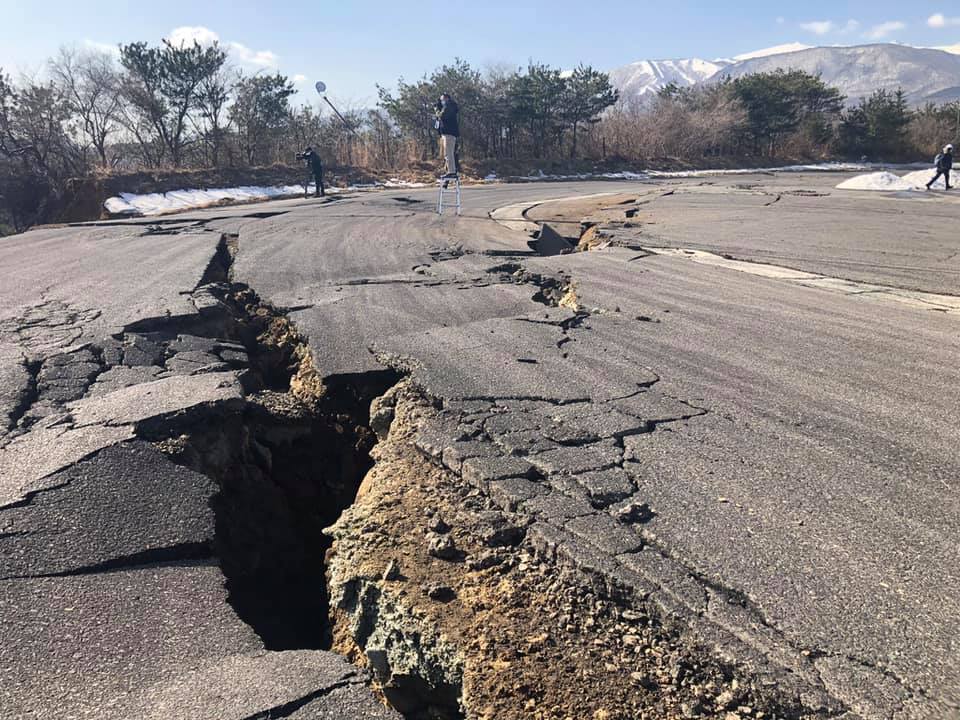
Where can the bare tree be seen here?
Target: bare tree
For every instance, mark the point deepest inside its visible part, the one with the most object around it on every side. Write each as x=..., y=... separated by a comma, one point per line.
x=90, y=85
x=36, y=148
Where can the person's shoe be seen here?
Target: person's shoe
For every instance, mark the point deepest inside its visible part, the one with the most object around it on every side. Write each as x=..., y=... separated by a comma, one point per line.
x=446, y=184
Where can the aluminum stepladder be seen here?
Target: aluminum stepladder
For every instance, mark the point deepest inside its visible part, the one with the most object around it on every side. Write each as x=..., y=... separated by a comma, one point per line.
x=447, y=186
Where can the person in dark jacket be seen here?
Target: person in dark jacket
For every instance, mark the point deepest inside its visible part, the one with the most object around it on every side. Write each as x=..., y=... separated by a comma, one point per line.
x=448, y=125
x=944, y=165
x=316, y=167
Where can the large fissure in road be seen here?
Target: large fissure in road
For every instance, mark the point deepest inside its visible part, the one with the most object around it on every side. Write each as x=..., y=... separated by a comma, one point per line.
x=287, y=461
x=286, y=469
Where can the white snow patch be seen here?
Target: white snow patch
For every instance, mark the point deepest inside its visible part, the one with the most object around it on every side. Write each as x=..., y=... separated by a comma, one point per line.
x=882, y=181
x=920, y=178
x=680, y=174
x=395, y=183
x=886, y=181
x=540, y=175
x=178, y=200
x=189, y=199
x=814, y=167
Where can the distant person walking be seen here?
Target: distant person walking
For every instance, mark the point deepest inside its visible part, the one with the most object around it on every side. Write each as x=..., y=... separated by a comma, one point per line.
x=448, y=125
x=316, y=167
x=944, y=163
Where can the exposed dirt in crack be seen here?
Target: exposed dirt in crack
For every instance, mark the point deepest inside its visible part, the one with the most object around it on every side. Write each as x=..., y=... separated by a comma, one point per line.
x=443, y=595
x=559, y=291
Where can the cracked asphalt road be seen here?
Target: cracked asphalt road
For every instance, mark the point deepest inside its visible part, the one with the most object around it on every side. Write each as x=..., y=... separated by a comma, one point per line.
x=796, y=449
x=895, y=239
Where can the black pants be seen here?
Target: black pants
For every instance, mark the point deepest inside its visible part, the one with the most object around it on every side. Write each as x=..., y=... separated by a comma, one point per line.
x=946, y=178
x=318, y=180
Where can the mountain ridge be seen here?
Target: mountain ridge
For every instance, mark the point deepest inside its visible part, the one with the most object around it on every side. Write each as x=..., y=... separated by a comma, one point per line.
x=924, y=74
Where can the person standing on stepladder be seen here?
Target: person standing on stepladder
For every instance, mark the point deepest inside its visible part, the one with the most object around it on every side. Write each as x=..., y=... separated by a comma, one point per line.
x=944, y=163
x=448, y=125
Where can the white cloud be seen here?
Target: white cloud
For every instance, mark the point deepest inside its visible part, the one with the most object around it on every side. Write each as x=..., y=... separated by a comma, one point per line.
x=878, y=32
x=826, y=27
x=101, y=47
x=190, y=34
x=781, y=20
x=819, y=27
x=299, y=78
x=941, y=21
x=257, y=58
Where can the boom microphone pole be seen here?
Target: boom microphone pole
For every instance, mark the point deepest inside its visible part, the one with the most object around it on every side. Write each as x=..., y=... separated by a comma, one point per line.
x=322, y=89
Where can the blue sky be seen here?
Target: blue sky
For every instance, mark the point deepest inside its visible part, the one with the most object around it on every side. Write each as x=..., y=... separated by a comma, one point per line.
x=354, y=45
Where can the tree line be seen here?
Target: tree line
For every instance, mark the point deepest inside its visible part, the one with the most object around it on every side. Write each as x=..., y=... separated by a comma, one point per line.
x=171, y=106
x=780, y=115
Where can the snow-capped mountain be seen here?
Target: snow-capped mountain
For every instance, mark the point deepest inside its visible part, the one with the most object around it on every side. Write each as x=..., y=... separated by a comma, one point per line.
x=647, y=77
x=924, y=74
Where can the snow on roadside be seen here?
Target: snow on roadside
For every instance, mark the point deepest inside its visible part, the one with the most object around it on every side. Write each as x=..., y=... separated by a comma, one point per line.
x=395, y=183
x=876, y=181
x=175, y=200
x=815, y=167
x=680, y=174
x=151, y=204
x=920, y=178
x=888, y=182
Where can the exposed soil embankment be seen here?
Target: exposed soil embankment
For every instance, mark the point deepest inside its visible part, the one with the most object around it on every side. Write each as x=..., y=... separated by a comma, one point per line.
x=460, y=611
